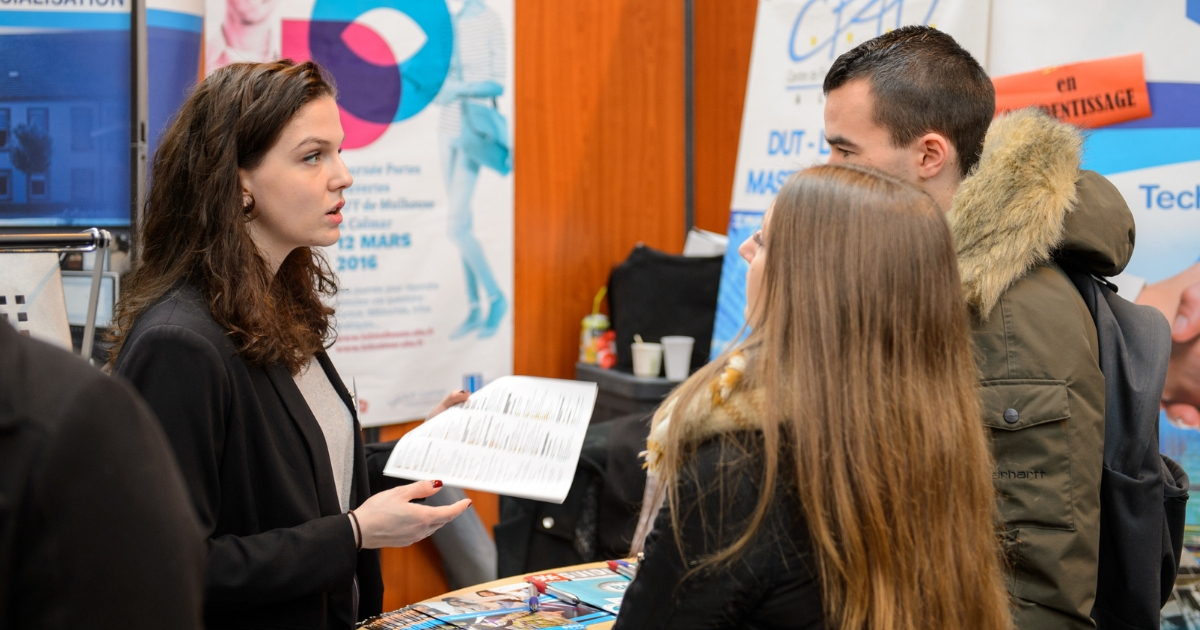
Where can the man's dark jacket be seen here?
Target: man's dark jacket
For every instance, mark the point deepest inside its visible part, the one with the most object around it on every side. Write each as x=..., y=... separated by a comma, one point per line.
x=96, y=529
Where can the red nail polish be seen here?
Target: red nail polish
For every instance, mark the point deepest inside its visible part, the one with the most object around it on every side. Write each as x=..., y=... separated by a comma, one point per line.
x=437, y=483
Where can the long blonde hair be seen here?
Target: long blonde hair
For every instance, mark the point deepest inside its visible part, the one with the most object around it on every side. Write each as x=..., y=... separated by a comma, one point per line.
x=861, y=347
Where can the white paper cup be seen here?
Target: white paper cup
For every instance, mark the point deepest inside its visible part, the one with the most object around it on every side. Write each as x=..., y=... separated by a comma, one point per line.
x=647, y=359
x=677, y=356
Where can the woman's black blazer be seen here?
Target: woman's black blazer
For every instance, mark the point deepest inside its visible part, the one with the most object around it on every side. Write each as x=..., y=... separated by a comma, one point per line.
x=280, y=553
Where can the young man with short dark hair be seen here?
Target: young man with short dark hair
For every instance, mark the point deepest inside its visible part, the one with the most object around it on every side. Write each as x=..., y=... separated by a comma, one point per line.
x=915, y=104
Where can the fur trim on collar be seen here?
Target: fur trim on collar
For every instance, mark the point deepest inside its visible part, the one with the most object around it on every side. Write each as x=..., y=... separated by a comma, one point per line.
x=727, y=408
x=1007, y=216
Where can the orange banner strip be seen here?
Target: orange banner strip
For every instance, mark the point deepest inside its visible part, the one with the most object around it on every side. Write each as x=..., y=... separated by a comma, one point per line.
x=1087, y=94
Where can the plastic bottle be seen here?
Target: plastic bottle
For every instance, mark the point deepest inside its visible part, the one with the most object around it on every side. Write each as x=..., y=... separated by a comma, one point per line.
x=593, y=326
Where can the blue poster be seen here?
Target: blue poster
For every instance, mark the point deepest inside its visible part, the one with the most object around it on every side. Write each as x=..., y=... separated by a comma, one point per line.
x=731, y=298
x=64, y=116
x=174, y=30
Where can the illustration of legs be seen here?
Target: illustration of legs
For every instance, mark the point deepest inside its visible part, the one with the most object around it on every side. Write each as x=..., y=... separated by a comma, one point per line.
x=463, y=174
x=449, y=155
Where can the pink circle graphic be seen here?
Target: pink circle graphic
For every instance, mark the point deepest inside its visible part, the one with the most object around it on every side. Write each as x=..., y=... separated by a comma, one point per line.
x=363, y=50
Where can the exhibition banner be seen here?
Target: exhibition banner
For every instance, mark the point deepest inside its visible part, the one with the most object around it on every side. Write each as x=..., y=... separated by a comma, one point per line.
x=1063, y=53
x=425, y=261
x=795, y=43
x=174, y=30
x=64, y=113
x=1154, y=161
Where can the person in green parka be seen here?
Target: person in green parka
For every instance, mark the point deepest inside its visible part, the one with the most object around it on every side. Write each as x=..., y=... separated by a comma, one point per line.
x=915, y=104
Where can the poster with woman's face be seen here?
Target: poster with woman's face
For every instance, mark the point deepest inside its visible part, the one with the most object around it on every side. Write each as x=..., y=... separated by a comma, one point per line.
x=425, y=255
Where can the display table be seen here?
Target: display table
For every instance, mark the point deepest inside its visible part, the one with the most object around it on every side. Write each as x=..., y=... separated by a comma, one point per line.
x=517, y=579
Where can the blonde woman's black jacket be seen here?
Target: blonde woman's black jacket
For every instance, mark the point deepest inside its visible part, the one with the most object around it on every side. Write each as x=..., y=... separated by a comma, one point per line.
x=772, y=585
x=96, y=529
x=280, y=552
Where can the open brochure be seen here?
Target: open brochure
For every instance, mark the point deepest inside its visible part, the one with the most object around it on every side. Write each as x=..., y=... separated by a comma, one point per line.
x=519, y=436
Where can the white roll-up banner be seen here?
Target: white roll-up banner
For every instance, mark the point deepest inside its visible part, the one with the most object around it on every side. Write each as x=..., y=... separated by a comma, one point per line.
x=425, y=260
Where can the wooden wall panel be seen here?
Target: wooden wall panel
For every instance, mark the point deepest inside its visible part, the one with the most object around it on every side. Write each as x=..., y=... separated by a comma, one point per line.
x=599, y=158
x=722, y=39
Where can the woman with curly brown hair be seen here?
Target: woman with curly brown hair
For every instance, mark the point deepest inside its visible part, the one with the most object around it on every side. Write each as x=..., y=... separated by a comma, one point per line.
x=223, y=328
x=831, y=471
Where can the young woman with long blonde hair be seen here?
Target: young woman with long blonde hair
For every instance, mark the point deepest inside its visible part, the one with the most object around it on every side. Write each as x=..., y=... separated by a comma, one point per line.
x=831, y=470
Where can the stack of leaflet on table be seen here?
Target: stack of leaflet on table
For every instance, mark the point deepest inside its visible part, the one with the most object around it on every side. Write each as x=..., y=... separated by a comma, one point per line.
x=499, y=608
x=405, y=619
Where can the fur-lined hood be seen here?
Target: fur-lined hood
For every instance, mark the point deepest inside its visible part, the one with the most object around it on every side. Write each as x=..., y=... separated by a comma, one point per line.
x=1028, y=202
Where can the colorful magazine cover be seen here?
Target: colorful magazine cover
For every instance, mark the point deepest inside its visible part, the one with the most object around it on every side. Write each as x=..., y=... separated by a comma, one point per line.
x=552, y=613
x=508, y=607
x=567, y=618
x=565, y=576
x=602, y=588
x=496, y=601
x=520, y=620
x=580, y=613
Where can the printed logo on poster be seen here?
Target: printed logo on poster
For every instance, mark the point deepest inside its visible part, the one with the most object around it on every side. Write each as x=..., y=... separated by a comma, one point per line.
x=375, y=88
x=827, y=29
